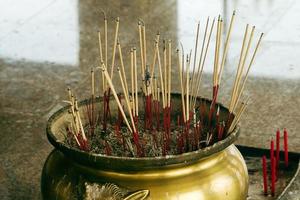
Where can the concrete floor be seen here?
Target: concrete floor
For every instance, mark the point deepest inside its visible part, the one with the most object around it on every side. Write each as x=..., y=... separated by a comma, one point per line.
x=48, y=45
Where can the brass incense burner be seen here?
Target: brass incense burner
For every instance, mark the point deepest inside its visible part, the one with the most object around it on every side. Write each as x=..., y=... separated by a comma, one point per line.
x=215, y=172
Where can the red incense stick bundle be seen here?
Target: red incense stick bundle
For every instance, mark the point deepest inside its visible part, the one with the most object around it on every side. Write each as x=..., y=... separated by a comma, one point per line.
x=285, y=146
x=265, y=178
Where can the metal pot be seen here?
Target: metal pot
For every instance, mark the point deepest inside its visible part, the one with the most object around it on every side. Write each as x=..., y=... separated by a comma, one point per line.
x=216, y=172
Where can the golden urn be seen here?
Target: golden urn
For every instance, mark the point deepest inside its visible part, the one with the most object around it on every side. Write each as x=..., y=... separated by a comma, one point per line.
x=215, y=172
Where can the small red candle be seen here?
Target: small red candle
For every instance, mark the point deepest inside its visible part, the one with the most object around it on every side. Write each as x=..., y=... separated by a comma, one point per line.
x=265, y=178
x=285, y=146
x=273, y=176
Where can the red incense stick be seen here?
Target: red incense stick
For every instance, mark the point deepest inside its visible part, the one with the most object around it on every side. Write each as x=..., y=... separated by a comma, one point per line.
x=273, y=161
x=285, y=146
x=271, y=152
x=277, y=151
x=265, y=179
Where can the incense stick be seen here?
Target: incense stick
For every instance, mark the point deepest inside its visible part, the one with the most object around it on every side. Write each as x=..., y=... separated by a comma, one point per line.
x=187, y=88
x=169, y=75
x=114, y=48
x=199, y=71
x=160, y=75
x=101, y=61
x=116, y=97
x=226, y=47
x=132, y=81
x=205, y=54
x=195, y=57
x=238, y=73
x=141, y=46
x=135, y=83
x=122, y=67
x=127, y=100
x=165, y=73
x=144, y=45
x=181, y=85
x=105, y=40
x=247, y=73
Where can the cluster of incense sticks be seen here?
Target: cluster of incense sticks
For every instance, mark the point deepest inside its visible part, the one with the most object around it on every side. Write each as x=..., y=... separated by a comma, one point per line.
x=191, y=127
x=274, y=162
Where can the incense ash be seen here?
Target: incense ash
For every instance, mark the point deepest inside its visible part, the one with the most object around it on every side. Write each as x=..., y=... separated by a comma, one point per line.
x=142, y=117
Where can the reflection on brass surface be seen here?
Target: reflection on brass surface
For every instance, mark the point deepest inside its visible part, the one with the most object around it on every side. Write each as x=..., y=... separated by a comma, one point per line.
x=216, y=172
x=220, y=176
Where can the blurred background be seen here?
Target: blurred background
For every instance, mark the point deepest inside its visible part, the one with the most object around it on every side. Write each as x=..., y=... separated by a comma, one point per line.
x=48, y=45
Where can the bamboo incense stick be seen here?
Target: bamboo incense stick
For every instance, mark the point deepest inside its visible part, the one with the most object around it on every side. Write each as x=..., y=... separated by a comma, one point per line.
x=238, y=91
x=141, y=46
x=238, y=116
x=165, y=73
x=226, y=47
x=105, y=41
x=169, y=76
x=132, y=82
x=160, y=75
x=245, y=57
x=100, y=46
x=199, y=70
x=92, y=82
x=135, y=83
x=114, y=48
x=127, y=100
x=155, y=54
x=101, y=61
x=187, y=88
x=79, y=121
x=122, y=67
x=195, y=56
x=144, y=45
x=248, y=69
x=181, y=85
x=205, y=54
x=116, y=97
x=238, y=73
x=216, y=52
